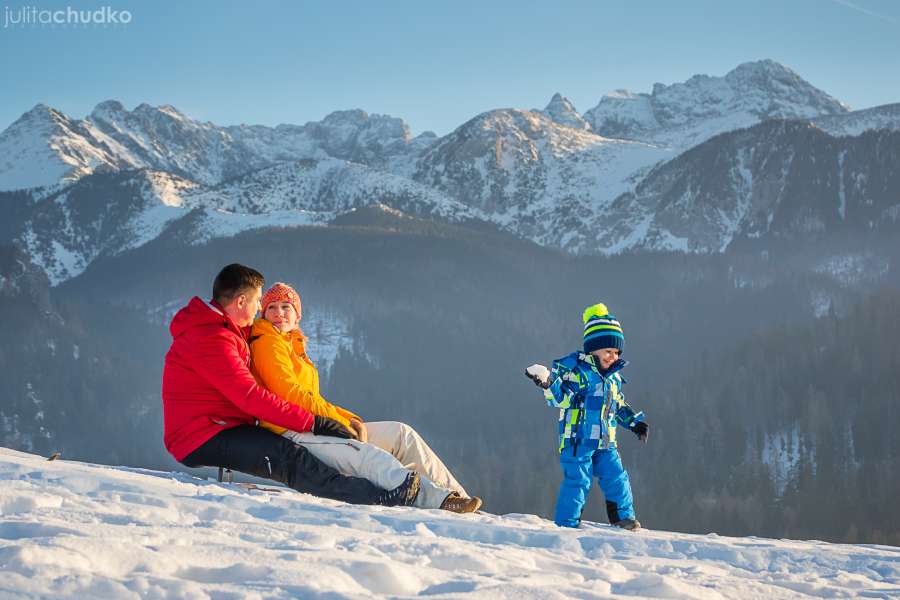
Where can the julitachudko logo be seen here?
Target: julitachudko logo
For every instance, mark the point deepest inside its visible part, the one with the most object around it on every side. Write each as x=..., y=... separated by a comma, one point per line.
x=32, y=15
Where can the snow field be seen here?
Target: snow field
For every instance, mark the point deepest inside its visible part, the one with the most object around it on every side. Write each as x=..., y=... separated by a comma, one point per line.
x=77, y=530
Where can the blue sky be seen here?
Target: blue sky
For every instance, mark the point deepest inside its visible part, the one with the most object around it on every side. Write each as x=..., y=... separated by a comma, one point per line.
x=435, y=64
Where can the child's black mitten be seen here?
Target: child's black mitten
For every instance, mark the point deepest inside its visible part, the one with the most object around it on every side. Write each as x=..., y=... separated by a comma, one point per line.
x=641, y=429
x=539, y=374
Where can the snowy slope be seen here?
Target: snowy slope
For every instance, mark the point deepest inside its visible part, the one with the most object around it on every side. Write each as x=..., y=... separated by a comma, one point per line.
x=105, y=214
x=529, y=174
x=100, y=215
x=44, y=147
x=777, y=179
x=561, y=110
x=329, y=186
x=75, y=530
x=860, y=121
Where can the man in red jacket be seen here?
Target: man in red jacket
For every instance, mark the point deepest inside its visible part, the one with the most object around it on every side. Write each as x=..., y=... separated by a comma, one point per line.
x=212, y=403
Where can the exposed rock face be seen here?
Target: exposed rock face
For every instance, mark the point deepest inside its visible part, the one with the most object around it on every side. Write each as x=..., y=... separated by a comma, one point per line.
x=684, y=114
x=786, y=179
x=562, y=111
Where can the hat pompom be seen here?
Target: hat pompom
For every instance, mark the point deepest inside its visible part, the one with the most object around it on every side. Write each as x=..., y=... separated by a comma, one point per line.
x=596, y=310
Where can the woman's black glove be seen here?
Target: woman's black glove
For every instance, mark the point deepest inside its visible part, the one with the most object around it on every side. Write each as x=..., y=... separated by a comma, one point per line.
x=642, y=430
x=328, y=426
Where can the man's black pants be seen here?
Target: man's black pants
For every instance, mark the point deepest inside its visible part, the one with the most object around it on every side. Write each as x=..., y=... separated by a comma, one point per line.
x=260, y=452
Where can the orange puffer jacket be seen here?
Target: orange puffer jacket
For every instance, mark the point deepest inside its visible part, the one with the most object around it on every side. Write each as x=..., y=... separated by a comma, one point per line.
x=279, y=362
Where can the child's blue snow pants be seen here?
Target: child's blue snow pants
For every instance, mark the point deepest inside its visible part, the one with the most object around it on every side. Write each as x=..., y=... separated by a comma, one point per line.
x=579, y=469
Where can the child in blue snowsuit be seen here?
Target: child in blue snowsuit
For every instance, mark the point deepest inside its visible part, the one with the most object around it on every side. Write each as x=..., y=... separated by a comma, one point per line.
x=586, y=387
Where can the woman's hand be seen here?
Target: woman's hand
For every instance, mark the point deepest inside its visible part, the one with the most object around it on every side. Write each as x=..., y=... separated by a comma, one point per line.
x=362, y=434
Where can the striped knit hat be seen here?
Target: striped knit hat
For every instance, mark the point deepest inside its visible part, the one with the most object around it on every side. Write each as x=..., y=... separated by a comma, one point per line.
x=280, y=292
x=601, y=329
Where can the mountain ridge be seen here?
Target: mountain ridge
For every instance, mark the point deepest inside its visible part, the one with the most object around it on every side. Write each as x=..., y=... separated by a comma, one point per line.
x=553, y=176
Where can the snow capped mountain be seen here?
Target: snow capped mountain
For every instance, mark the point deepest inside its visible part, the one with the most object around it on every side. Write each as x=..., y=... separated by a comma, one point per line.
x=45, y=147
x=623, y=114
x=376, y=140
x=79, y=530
x=552, y=176
x=786, y=179
x=164, y=139
x=328, y=186
x=309, y=192
x=533, y=176
x=102, y=214
x=108, y=213
x=684, y=114
x=562, y=111
x=860, y=121
x=359, y=137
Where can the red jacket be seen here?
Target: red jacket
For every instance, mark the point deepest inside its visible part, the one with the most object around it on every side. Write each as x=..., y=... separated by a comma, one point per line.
x=207, y=386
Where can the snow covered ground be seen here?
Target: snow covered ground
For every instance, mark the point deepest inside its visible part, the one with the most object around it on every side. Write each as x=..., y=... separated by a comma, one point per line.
x=76, y=530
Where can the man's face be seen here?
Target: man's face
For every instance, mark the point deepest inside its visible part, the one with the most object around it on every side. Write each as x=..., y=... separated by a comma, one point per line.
x=244, y=307
x=282, y=315
x=606, y=356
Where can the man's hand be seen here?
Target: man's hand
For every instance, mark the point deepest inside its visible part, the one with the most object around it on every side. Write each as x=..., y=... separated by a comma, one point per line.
x=326, y=426
x=539, y=374
x=362, y=433
x=642, y=430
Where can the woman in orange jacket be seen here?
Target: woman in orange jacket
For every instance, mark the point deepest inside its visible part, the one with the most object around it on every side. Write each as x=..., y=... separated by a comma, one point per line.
x=280, y=363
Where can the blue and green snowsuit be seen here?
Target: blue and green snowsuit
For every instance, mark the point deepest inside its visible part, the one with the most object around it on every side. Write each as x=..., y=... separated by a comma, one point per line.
x=591, y=406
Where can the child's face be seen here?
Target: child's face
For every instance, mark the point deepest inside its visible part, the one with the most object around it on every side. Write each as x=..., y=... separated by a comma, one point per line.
x=606, y=356
x=282, y=315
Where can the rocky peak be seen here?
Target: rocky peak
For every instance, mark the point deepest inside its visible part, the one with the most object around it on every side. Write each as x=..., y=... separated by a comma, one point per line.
x=358, y=136
x=355, y=117
x=352, y=122
x=786, y=87
x=109, y=112
x=44, y=147
x=164, y=114
x=39, y=110
x=687, y=113
x=108, y=107
x=562, y=111
x=763, y=72
x=764, y=89
x=623, y=114
x=40, y=115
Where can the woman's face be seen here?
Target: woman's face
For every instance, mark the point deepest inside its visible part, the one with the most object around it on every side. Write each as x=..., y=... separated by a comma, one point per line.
x=282, y=316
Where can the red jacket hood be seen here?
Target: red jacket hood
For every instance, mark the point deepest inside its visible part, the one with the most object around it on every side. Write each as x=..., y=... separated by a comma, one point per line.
x=198, y=313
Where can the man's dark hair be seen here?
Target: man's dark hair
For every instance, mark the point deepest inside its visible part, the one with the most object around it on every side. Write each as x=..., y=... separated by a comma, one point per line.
x=235, y=280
